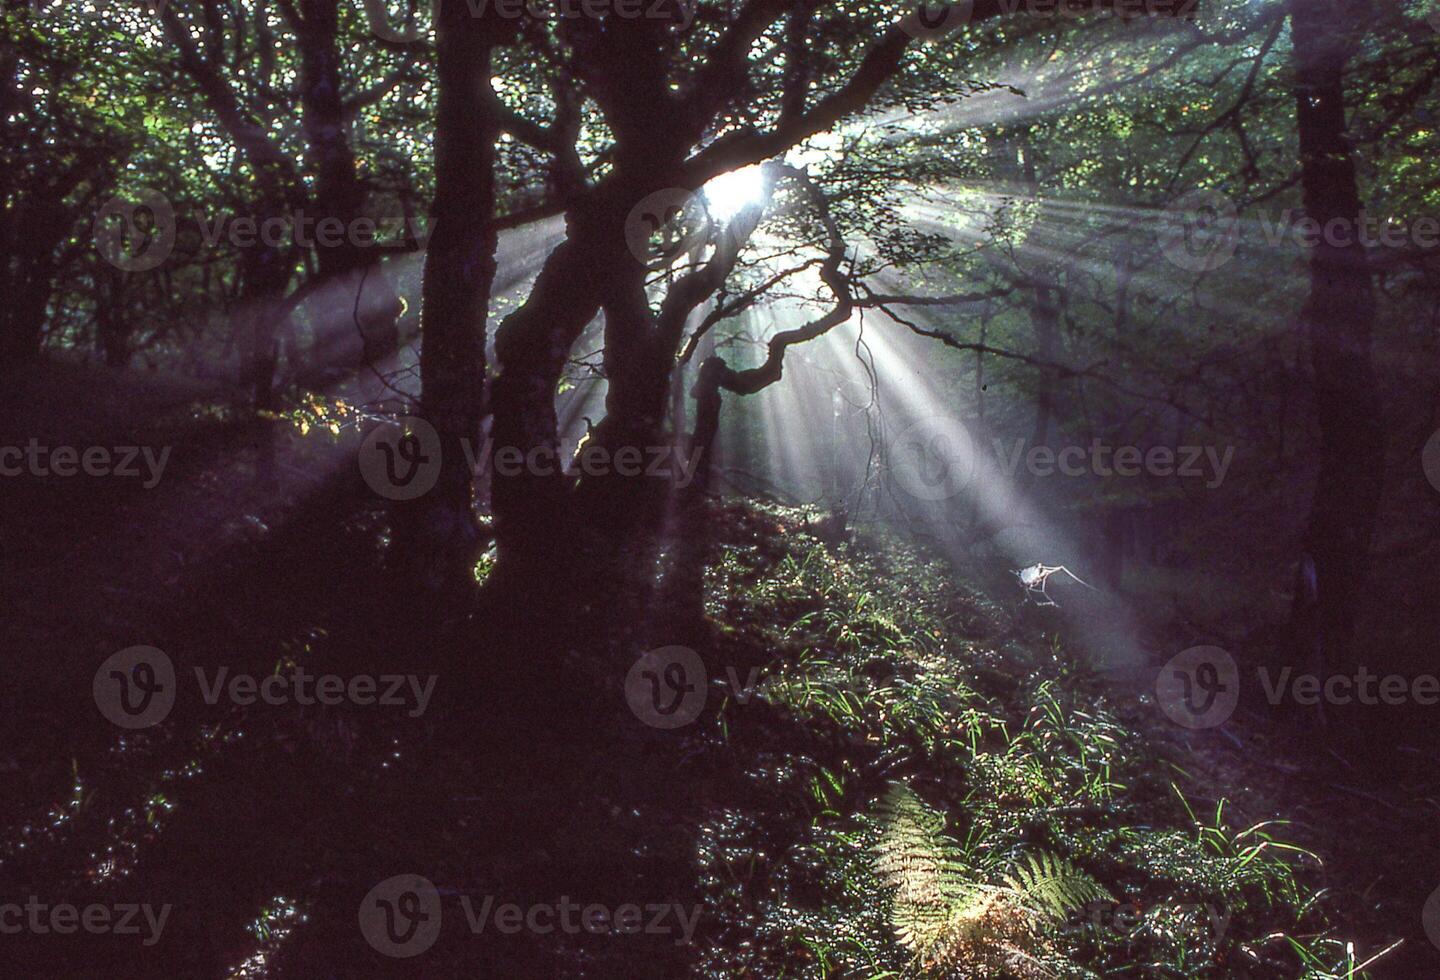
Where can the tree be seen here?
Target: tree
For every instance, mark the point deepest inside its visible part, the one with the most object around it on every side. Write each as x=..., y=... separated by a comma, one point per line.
x=673, y=121
x=459, y=271
x=58, y=158
x=251, y=100
x=1338, y=316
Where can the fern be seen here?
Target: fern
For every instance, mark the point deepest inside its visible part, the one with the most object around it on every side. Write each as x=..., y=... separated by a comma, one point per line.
x=1053, y=886
x=914, y=857
x=944, y=915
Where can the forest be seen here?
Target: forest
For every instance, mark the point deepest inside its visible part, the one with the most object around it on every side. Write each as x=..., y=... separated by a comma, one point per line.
x=720, y=488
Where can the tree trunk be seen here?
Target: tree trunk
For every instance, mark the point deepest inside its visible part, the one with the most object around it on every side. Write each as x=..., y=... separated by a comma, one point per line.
x=30, y=233
x=1044, y=306
x=266, y=273
x=532, y=346
x=708, y=402
x=339, y=193
x=442, y=533
x=1045, y=317
x=1337, y=317
x=22, y=324
x=112, y=331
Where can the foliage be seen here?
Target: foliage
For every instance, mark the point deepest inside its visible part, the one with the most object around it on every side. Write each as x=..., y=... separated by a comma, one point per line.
x=1053, y=844
x=944, y=915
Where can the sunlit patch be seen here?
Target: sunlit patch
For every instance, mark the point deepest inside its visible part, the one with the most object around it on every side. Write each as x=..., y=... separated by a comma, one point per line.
x=124, y=831
x=485, y=566
x=729, y=194
x=822, y=148
x=275, y=924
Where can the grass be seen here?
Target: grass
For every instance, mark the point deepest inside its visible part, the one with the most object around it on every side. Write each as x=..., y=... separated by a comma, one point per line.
x=875, y=666
x=882, y=668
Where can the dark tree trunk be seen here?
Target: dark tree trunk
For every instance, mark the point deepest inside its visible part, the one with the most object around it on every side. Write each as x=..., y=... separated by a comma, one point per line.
x=593, y=270
x=265, y=272
x=1337, y=317
x=687, y=586
x=22, y=324
x=339, y=193
x=459, y=272
x=31, y=232
x=638, y=361
x=708, y=401
x=112, y=331
x=532, y=345
x=539, y=514
x=1045, y=317
x=640, y=368
x=1044, y=306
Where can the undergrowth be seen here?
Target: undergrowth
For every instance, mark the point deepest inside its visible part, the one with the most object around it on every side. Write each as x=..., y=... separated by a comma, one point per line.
x=935, y=791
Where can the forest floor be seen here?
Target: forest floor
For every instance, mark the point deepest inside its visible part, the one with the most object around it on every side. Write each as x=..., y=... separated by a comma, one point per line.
x=837, y=667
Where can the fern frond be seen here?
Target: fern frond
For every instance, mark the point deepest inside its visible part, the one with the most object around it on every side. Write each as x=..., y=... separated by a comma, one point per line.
x=1053, y=886
x=914, y=857
x=945, y=916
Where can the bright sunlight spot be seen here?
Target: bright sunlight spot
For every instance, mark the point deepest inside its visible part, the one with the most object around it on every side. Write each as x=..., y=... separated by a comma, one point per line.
x=729, y=194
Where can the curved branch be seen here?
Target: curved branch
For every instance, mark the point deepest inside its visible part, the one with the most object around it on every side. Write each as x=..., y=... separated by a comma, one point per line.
x=754, y=379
